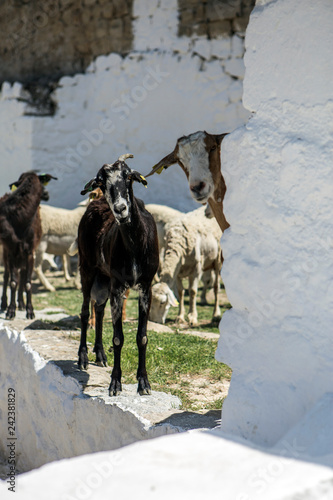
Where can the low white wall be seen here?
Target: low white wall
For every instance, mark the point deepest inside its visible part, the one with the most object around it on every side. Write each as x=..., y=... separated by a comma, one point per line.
x=195, y=465
x=165, y=88
x=278, y=267
x=54, y=419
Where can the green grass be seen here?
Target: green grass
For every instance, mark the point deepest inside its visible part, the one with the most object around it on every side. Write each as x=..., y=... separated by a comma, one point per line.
x=174, y=360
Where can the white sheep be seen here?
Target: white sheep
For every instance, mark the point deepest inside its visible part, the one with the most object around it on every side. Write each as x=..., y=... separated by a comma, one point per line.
x=163, y=215
x=192, y=247
x=59, y=230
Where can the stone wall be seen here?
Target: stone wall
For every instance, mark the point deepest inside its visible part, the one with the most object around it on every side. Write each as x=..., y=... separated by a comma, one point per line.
x=44, y=40
x=50, y=38
x=214, y=18
x=167, y=86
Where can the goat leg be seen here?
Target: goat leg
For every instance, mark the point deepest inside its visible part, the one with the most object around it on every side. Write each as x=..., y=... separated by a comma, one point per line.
x=20, y=299
x=101, y=358
x=142, y=340
x=4, y=303
x=26, y=282
x=11, y=311
x=83, y=350
x=118, y=340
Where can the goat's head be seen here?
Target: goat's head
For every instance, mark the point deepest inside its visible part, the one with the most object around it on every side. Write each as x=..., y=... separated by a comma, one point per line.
x=198, y=154
x=44, y=179
x=115, y=180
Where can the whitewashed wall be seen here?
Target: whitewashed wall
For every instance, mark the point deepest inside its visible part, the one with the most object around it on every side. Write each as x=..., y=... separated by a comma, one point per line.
x=165, y=88
x=278, y=265
x=53, y=418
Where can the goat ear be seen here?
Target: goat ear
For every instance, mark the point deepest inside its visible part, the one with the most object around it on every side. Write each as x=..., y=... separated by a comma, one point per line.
x=219, y=138
x=136, y=176
x=13, y=186
x=90, y=186
x=45, y=178
x=168, y=160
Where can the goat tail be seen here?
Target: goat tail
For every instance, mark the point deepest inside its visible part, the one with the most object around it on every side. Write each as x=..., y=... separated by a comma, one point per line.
x=73, y=249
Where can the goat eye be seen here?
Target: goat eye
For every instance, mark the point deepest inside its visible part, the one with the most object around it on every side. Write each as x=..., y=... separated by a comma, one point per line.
x=213, y=148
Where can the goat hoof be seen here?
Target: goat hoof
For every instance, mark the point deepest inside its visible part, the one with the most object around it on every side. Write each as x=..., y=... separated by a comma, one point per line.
x=102, y=364
x=101, y=359
x=10, y=314
x=30, y=315
x=115, y=388
x=21, y=306
x=83, y=359
x=144, y=388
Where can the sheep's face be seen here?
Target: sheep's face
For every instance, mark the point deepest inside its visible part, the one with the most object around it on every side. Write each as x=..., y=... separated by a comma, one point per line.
x=162, y=299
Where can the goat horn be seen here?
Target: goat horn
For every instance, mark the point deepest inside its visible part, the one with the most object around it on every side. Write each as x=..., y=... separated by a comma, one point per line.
x=125, y=156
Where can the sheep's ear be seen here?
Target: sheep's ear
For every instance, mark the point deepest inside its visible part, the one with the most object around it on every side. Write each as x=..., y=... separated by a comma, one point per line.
x=13, y=186
x=45, y=178
x=136, y=176
x=172, y=299
x=90, y=186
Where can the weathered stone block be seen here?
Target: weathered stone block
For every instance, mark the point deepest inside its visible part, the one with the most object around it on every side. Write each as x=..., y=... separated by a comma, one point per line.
x=186, y=16
x=201, y=29
x=239, y=24
x=219, y=28
x=220, y=9
x=120, y=8
x=108, y=11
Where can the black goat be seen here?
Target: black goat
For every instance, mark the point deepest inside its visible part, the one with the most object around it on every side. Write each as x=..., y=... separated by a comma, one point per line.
x=20, y=233
x=118, y=250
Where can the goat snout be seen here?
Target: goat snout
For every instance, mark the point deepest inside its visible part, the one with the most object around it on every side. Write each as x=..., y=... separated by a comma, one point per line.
x=121, y=212
x=120, y=209
x=197, y=188
x=201, y=190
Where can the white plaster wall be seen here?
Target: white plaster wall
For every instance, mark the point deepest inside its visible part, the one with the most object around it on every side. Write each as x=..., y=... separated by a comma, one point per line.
x=165, y=88
x=195, y=465
x=54, y=419
x=278, y=265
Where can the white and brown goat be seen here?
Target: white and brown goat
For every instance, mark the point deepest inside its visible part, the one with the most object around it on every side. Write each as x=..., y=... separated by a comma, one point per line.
x=199, y=155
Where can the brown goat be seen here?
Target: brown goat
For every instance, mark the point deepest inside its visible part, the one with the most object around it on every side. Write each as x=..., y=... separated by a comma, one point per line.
x=199, y=155
x=20, y=233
